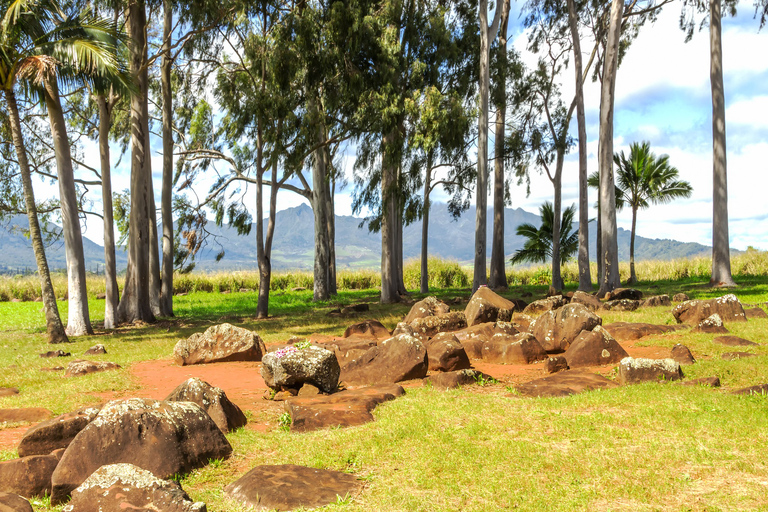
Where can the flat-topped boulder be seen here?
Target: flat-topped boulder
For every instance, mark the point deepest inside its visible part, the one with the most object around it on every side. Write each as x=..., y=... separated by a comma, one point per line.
x=29, y=477
x=636, y=370
x=485, y=305
x=166, y=438
x=396, y=359
x=347, y=349
x=622, y=305
x=712, y=382
x=219, y=343
x=682, y=354
x=565, y=383
x=368, y=329
x=549, y=304
x=680, y=297
x=429, y=326
x=630, y=331
x=24, y=415
x=727, y=307
x=289, y=487
x=556, y=330
x=83, y=367
x=452, y=380
x=292, y=367
x=124, y=487
x=734, y=341
x=733, y=356
x=760, y=389
x=587, y=300
x=624, y=294
x=9, y=391
x=55, y=353
x=657, y=301
x=520, y=348
x=96, y=350
x=445, y=353
x=55, y=433
x=227, y=415
x=429, y=306
x=755, y=312
x=594, y=348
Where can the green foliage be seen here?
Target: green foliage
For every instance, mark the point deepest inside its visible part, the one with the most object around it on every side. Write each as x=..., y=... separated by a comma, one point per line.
x=284, y=422
x=442, y=274
x=538, y=246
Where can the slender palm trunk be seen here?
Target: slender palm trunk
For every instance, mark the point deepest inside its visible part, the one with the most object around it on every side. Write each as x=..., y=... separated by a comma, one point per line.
x=154, y=246
x=557, y=279
x=265, y=265
x=319, y=186
x=331, y=226
x=166, y=202
x=605, y=154
x=54, y=327
x=78, y=319
x=632, y=275
x=721, y=256
x=399, y=264
x=389, y=292
x=110, y=264
x=585, y=275
x=424, y=281
x=481, y=192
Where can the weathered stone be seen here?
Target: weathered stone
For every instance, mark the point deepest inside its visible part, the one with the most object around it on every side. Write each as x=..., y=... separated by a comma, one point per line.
x=713, y=382
x=682, y=354
x=396, y=359
x=549, y=304
x=657, y=301
x=347, y=349
x=522, y=322
x=622, y=305
x=445, y=353
x=755, y=313
x=308, y=390
x=556, y=330
x=626, y=331
x=430, y=306
x=96, y=350
x=594, y=348
x=430, y=325
x=166, y=438
x=520, y=348
x=473, y=338
x=219, y=343
x=28, y=476
x=760, y=389
x=452, y=380
x=587, y=300
x=484, y=306
x=81, y=367
x=680, y=297
x=55, y=353
x=556, y=364
x=636, y=370
x=212, y=400
x=370, y=329
x=343, y=409
x=624, y=294
x=24, y=415
x=122, y=487
x=734, y=341
x=55, y=433
x=9, y=391
x=354, y=309
x=727, y=307
x=712, y=324
x=291, y=368
x=732, y=356
x=288, y=487
x=565, y=383
x=10, y=502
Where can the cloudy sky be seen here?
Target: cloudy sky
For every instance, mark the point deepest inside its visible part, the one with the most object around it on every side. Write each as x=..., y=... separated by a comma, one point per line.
x=662, y=96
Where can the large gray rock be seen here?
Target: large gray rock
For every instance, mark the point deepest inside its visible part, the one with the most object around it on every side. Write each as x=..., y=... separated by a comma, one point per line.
x=513, y=349
x=55, y=433
x=212, y=400
x=125, y=487
x=636, y=370
x=656, y=301
x=485, y=305
x=82, y=367
x=727, y=307
x=587, y=300
x=429, y=306
x=219, y=343
x=557, y=329
x=594, y=348
x=291, y=367
x=166, y=438
x=549, y=304
x=429, y=326
x=445, y=353
x=399, y=358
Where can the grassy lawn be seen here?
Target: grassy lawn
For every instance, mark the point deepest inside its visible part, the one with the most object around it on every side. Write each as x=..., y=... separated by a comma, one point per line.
x=643, y=447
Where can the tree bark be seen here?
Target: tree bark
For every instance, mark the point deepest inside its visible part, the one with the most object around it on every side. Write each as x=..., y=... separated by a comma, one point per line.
x=166, y=202
x=585, y=274
x=424, y=280
x=134, y=304
x=154, y=249
x=319, y=187
x=54, y=327
x=557, y=280
x=110, y=265
x=78, y=319
x=331, y=226
x=632, y=275
x=609, y=234
x=721, y=256
x=389, y=292
x=399, y=263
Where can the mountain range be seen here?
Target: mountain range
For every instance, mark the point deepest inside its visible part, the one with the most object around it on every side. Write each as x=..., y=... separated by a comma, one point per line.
x=356, y=247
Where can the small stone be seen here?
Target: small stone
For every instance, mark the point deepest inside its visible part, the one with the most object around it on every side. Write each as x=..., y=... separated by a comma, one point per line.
x=96, y=350
x=309, y=390
x=24, y=415
x=556, y=364
x=680, y=297
x=9, y=391
x=10, y=502
x=55, y=353
x=682, y=354
x=760, y=389
x=713, y=382
x=636, y=370
x=711, y=324
x=81, y=367
x=732, y=356
x=755, y=312
x=734, y=341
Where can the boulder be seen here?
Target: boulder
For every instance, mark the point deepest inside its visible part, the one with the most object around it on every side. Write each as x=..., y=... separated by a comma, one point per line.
x=219, y=343
x=445, y=353
x=10, y=502
x=624, y=294
x=28, y=476
x=55, y=353
x=82, y=367
x=587, y=300
x=565, y=383
x=122, y=487
x=755, y=313
x=96, y=350
x=680, y=297
x=369, y=329
x=212, y=400
x=400, y=358
x=727, y=307
x=428, y=326
x=627, y=331
x=484, y=306
x=24, y=415
x=712, y=324
x=622, y=305
x=343, y=409
x=556, y=330
x=55, y=433
x=291, y=367
x=734, y=341
x=9, y=391
x=760, y=389
x=556, y=364
x=732, y=356
x=657, y=301
x=712, y=382
x=637, y=370
x=347, y=349
x=522, y=322
x=430, y=306
x=288, y=487
x=549, y=304
x=520, y=348
x=594, y=348
x=682, y=354
x=474, y=338
x=166, y=438
x=452, y=380
x=353, y=309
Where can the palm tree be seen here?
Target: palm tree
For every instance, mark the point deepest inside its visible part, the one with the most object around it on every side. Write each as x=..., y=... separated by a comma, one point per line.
x=646, y=179
x=538, y=247
x=42, y=45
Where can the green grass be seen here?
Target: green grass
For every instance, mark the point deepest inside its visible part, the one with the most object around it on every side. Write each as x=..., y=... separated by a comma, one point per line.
x=644, y=447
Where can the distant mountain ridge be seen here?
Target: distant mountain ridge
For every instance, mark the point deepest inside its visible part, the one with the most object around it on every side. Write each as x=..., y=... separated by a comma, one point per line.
x=356, y=247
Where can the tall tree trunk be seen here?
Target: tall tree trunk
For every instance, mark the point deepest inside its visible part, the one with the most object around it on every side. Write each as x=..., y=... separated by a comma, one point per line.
x=134, y=304
x=632, y=275
x=54, y=327
x=319, y=187
x=424, y=281
x=331, y=225
x=599, y=243
x=389, y=292
x=154, y=249
x=166, y=202
x=721, y=255
x=110, y=264
x=265, y=265
x=78, y=319
x=557, y=280
x=605, y=154
x=399, y=248
x=585, y=275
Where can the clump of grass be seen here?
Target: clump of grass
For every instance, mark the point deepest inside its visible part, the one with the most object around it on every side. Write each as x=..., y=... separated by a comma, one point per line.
x=442, y=274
